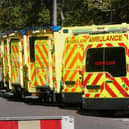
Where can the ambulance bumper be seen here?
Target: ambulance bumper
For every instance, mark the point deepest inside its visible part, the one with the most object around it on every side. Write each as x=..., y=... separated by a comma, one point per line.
x=105, y=104
x=71, y=98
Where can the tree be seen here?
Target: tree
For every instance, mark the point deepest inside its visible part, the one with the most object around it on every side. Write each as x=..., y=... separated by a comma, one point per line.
x=14, y=16
x=17, y=14
x=75, y=12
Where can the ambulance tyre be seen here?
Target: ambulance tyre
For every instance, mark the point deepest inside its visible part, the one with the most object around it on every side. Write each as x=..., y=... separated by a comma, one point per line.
x=46, y=95
x=63, y=104
x=107, y=112
x=49, y=97
x=45, y=98
x=19, y=93
x=52, y=97
x=42, y=99
x=22, y=95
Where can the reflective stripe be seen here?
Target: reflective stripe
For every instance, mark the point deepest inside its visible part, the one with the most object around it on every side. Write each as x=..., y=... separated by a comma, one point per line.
x=72, y=62
x=41, y=55
x=8, y=125
x=38, y=124
x=29, y=124
x=15, y=62
x=50, y=124
x=64, y=122
x=108, y=90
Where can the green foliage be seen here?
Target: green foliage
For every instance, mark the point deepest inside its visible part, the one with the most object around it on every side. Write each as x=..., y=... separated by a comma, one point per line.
x=16, y=14
x=43, y=17
x=75, y=12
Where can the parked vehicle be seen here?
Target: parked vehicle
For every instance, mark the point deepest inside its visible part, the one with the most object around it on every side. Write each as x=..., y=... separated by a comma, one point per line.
x=106, y=71
x=45, y=62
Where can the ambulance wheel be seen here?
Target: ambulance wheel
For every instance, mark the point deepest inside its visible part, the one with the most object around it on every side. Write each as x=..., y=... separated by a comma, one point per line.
x=50, y=99
x=64, y=105
x=49, y=96
x=42, y=100
x=19, y=93
x=22, y=95
x=45, y=98
x=107, y=112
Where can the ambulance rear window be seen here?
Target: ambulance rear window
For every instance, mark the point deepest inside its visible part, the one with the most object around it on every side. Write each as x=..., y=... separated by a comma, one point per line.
x=12, y=42
x=109, y=59
x=32, y=50
x=32, y=46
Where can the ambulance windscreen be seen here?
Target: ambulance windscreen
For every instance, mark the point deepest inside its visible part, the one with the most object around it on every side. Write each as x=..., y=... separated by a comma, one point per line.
x=109, y=59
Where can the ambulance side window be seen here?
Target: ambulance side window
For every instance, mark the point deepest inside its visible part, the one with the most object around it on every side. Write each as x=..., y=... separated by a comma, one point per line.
x=32, y=49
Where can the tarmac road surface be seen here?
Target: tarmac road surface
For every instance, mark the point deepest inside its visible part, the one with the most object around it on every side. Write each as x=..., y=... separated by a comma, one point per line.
x=83, y=120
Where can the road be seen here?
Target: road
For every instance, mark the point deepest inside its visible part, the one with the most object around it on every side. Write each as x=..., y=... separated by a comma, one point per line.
x=83, y=120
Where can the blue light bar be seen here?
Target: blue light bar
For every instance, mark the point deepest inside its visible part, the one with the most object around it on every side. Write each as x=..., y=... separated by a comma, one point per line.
x=23, y=31
x=55, y=28
x=52, y=28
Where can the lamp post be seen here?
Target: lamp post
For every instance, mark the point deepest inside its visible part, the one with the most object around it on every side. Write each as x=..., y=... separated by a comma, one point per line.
x=54, y=12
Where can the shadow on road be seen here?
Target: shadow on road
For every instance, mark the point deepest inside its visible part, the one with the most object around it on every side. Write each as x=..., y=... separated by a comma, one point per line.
x=92, y=113
x=10, y=97
x=104, y=113
x=69, y=106
x=38, y=102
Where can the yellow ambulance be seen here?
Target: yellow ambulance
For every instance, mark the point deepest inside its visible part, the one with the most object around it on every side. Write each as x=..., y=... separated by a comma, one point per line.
x=106, y=68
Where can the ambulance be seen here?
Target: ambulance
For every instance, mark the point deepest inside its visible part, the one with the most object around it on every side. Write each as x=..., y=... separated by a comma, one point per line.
x=71, y=77
x=4, y=63
x=106, y=68
x=52, y=63
x=1, y=63
x=46, y=62
x=16, y=62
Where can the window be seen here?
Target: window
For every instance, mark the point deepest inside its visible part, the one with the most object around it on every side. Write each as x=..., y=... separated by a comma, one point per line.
x=32, y=50
x=110, y=59
x=32, y=46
